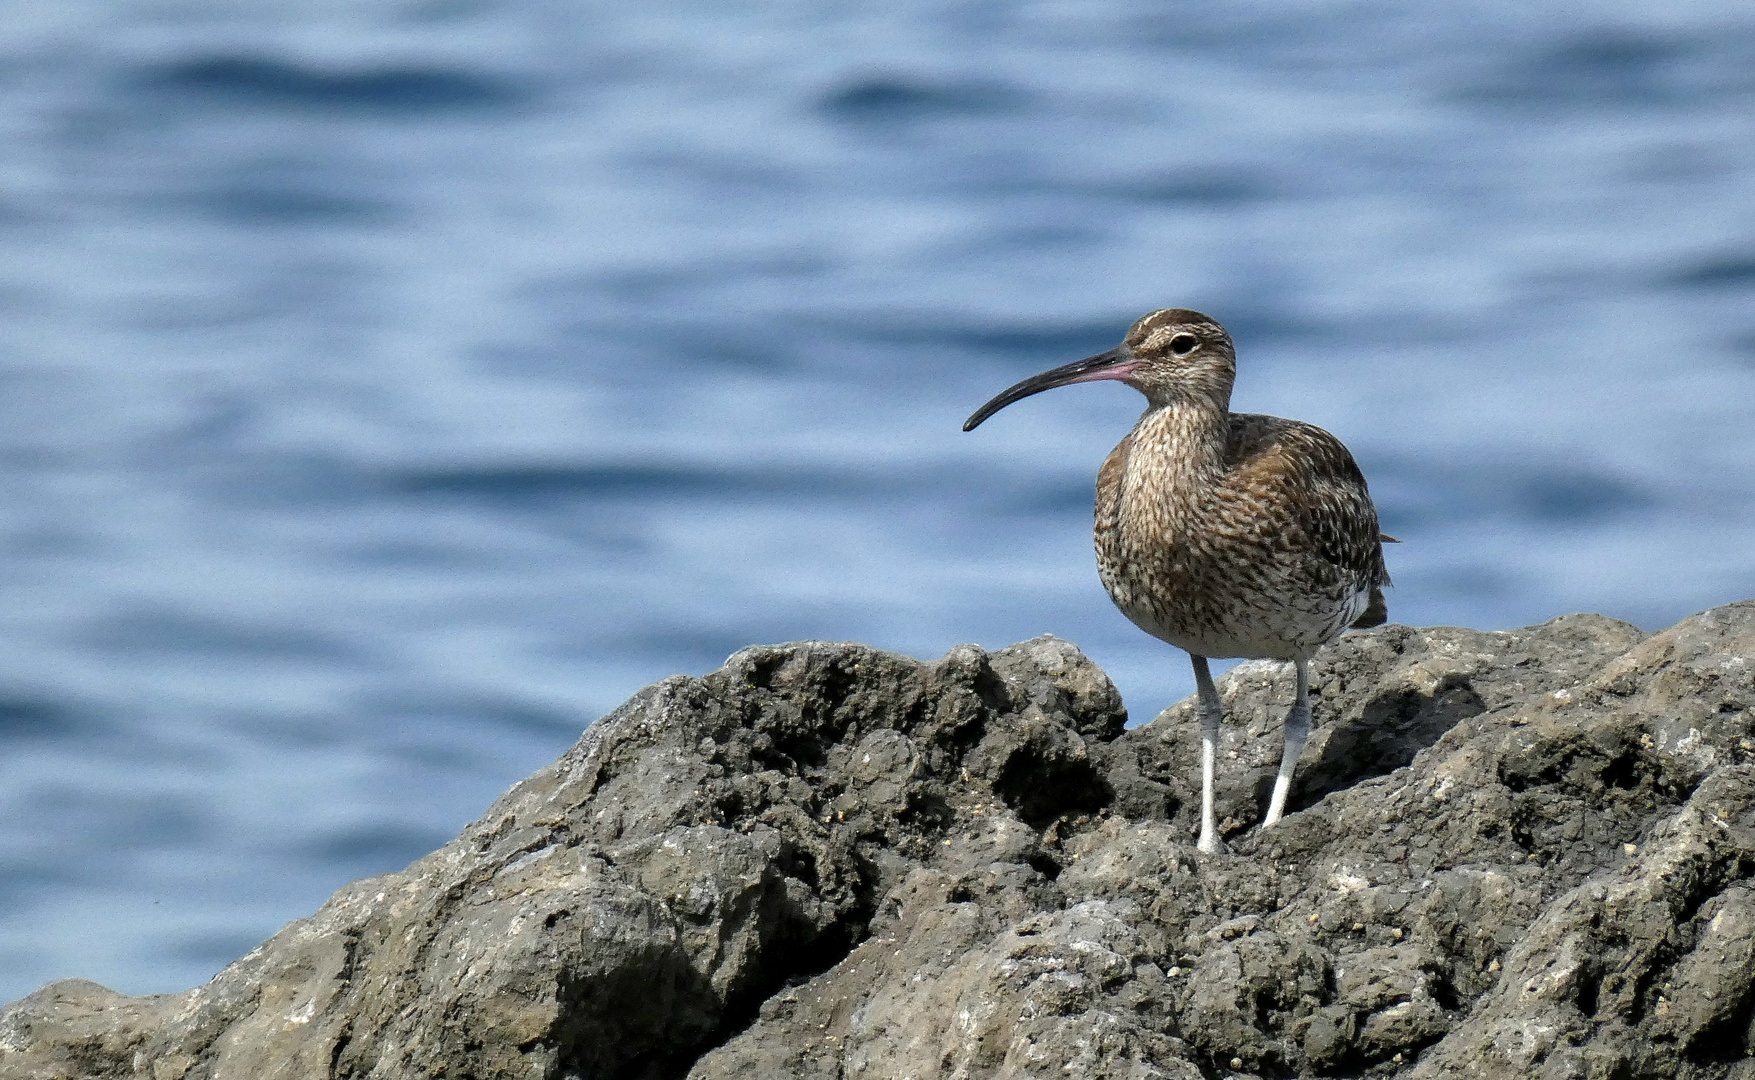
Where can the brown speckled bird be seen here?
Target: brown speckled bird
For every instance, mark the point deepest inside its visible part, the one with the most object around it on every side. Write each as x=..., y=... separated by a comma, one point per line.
x=1225, y=534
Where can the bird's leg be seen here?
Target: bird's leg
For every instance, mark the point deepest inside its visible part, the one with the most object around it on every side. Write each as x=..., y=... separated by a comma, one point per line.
x=1210, y=715
x=1297, y=730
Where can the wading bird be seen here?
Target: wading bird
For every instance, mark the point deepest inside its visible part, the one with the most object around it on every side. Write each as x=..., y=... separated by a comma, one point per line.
x=1225, y=534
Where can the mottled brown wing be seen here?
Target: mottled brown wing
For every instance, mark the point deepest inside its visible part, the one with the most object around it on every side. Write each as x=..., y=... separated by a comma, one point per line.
x=1333, y=504
x=1109, y=486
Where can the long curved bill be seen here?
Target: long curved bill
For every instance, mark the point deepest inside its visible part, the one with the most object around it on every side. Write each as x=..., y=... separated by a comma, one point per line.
x=1117, y=363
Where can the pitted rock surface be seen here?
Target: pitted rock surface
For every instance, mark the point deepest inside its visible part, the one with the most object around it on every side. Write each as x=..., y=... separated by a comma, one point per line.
x=1519, y=853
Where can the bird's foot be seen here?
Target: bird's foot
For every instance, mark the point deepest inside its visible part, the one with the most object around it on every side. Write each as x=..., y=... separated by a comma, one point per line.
x=1210, y=844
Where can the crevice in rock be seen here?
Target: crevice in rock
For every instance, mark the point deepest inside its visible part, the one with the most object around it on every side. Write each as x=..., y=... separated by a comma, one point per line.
x=350, y=956
x=1590, y=985
x=967, y=735
x=992, y=690
x=800, y=751
x=793, y=958
x=794, y=966
x=1389, y=732
x=1041, y=788
x=789, y=966
x=1623, y=772
x=1522, y=825
x=1731, y=1039
x=1643, y=996
x=335, y=1054
x=1710, y=885
x=764, y=668
x=795, y=862
x=927, y=811
x=1444, y=992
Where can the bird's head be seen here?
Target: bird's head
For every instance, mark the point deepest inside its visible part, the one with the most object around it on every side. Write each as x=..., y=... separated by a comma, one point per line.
x=1169, y=355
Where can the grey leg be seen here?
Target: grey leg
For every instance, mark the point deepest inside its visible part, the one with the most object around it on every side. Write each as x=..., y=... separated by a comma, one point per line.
x=1210, y=715
x=1297, y=730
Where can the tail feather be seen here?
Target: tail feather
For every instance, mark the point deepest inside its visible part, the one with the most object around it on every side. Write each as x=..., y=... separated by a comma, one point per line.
x=1376, y=612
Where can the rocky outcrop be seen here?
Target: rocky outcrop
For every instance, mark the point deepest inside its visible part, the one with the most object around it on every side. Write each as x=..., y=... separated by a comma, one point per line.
x=1523, y=853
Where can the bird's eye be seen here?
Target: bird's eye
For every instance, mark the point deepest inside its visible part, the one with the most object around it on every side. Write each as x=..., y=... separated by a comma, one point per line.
x=1183, y=344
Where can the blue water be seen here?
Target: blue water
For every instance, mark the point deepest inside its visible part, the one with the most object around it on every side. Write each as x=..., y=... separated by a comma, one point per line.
x=387, y=391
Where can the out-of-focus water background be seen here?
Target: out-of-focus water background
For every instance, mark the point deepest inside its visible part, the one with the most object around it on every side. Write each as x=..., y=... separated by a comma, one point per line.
x=388, y=390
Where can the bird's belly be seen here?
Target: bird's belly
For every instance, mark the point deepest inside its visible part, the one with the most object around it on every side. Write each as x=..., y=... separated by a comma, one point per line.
x=1255, y=609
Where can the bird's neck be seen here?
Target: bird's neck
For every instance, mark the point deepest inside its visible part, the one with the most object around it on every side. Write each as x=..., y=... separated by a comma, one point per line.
x=1184, y=441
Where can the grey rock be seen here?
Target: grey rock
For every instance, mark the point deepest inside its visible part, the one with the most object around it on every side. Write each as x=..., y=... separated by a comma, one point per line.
x=1523, y=853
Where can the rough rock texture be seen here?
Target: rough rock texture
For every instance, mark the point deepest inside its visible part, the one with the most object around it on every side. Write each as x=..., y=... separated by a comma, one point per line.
x=1526, y=853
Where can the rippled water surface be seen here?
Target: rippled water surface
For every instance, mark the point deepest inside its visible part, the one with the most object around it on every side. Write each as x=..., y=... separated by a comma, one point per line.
x=387, y=391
